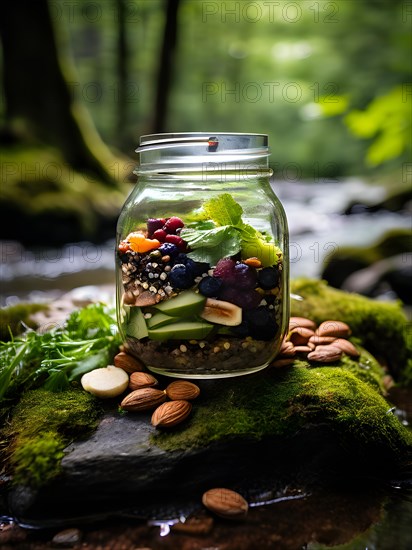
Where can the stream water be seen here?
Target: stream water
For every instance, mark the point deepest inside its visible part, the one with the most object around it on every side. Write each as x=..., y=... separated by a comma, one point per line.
x=356, y=518
x=316, y=224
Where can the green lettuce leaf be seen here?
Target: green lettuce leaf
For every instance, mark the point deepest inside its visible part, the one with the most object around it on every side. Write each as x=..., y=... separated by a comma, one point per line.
x=224, y=210
x=209, y=245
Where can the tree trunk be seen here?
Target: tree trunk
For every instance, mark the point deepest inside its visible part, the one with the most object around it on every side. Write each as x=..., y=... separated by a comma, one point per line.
x=37, y=94
x=164, y=79
x=122, y=54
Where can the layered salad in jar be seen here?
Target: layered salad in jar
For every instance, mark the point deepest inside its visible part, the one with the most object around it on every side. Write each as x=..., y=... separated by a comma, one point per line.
x=201, y=296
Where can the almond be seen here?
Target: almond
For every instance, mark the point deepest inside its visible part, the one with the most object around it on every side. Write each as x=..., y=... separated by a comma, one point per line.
x=303, y=349
x=171, y=413
x=287, y=349
x=320, y=340
x=143, y=399
x=299, y=336
x=127, y=362
x=347, y=347
x=225, y=503
x=339, y=329
x=295, y=322
x=181, y=389
x=139, y=380
x=325, y=354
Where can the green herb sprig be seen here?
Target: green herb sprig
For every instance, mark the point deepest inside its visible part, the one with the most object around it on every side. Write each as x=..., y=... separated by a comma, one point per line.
x=87, y=340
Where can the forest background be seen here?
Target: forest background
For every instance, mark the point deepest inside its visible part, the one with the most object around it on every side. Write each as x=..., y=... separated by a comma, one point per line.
x=329, y=81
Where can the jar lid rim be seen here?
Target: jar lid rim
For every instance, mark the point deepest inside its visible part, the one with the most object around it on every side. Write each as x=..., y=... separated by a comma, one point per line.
x=223, y=141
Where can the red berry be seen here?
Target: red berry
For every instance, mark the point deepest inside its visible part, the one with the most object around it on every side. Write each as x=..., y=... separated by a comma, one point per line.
x=178, y=241
x=153, y=224
x=172, y=224
x=160, y=235
x=224, y=268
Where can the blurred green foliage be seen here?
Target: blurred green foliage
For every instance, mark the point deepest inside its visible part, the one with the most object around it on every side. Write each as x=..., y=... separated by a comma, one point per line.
x=329, y=81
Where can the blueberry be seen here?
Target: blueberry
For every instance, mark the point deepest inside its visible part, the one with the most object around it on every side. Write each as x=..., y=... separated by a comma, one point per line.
x=268, y=278
x=180, y=276
x=261, y=323
x=210, y=286
x=168, y=249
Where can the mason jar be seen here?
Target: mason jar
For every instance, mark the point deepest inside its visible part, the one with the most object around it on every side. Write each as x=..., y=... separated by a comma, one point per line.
x=202, y=257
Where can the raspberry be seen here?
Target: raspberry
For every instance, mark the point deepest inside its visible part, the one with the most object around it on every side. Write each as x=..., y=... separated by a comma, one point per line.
x=178, y=241
x=172, y=224
x=224, y=268
x=153, y=224
x=160, y=235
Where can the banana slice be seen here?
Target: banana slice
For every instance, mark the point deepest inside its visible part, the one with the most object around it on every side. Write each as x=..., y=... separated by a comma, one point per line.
x=222, y=313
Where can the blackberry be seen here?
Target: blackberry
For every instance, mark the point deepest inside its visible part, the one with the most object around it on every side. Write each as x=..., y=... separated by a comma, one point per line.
x=268, y=278
x=210, y=286
x=168, y=249
x=180, y=277
x=261, y=323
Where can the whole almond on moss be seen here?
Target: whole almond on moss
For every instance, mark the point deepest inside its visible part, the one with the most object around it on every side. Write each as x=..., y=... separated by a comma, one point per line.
x=143, y=399
x=325, y=354
x=171, y=413
x=346, y=346
x=127, y=362
x=139, y=380
x=225, y=503
x=338, y=329
x=295, y=322
x=181, y=389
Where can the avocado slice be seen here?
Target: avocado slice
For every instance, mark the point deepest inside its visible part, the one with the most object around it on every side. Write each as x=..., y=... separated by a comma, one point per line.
x=188, y=330
x=136, y=326
x=159, y=319
x=185, y=304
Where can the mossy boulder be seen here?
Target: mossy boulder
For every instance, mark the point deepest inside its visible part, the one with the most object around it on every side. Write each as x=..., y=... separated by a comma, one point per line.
x=307, y=423
x=44, y=192
x=302, y=423
x=42, y=425
x=380, y=327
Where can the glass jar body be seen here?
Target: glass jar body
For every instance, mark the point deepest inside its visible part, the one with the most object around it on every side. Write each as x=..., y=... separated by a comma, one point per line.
x=202, y=270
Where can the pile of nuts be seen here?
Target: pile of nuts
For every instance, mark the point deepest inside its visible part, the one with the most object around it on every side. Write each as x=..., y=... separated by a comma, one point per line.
x=145, y=397
x=323, y=344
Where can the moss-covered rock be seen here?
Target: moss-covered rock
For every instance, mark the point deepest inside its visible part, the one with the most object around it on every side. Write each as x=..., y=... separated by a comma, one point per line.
x=42, y=425
x=380, y=327
x=44, y=192
x=281, y=402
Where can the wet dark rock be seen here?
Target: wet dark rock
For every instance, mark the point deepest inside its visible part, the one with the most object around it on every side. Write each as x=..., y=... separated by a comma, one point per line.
x=374, y=270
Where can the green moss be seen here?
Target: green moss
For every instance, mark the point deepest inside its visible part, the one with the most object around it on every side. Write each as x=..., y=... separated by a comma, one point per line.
x=42, y=425
x=279, y=402
x=380, y=327
x=12, y=317
x=43, y=190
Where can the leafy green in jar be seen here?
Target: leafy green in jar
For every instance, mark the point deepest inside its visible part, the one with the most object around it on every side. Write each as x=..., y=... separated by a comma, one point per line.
x=223, y=233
